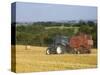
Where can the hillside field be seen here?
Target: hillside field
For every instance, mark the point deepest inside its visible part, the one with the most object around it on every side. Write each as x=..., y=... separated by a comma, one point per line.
x=36, y=60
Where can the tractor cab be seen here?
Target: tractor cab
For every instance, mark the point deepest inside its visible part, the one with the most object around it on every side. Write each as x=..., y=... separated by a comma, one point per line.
x=60, y=40
x=58, y=45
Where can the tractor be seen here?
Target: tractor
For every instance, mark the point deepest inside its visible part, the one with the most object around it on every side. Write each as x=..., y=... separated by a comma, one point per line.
x=58, y=45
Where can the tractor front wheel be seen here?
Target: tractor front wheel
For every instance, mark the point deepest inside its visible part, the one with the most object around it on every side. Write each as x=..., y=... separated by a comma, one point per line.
x=48, y=51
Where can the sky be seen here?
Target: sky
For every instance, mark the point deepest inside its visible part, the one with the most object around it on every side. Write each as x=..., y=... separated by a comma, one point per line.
x=33, y=12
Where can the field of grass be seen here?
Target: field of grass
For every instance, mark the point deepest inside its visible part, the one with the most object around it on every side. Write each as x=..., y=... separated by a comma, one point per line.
x=36, y=60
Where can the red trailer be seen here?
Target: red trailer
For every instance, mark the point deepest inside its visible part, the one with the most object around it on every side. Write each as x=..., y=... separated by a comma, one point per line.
x=81, y=43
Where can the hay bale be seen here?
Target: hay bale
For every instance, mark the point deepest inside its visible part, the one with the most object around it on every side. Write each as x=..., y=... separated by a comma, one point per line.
x=28, y=47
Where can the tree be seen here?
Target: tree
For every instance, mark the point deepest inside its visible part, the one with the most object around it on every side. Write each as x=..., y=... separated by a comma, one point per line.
x=85, y=29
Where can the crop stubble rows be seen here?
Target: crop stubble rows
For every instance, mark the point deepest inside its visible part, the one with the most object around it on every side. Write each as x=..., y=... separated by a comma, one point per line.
x=35, y=59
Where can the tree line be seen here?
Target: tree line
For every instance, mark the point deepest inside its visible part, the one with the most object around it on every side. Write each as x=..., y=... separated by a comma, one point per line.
x=38, y=34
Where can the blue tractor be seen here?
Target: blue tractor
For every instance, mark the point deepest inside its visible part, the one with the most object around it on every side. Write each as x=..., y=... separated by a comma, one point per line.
x=59, y=45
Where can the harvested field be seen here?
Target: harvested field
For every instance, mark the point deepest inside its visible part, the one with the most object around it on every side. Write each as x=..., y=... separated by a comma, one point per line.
x=36, y=60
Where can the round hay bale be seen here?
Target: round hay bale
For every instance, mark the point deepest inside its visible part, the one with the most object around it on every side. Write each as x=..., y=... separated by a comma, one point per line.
x=28, y=47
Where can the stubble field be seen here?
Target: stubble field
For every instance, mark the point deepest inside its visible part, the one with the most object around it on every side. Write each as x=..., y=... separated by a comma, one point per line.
x=36, y=60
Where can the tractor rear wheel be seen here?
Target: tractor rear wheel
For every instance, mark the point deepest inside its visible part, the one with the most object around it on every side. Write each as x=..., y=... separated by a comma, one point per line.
x=59, y=49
